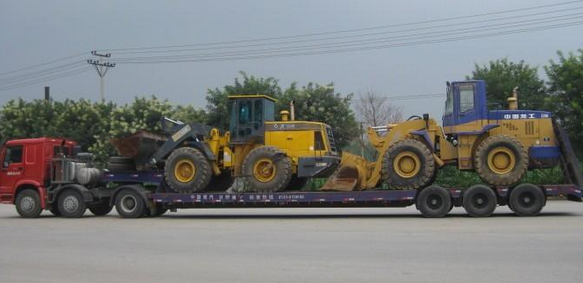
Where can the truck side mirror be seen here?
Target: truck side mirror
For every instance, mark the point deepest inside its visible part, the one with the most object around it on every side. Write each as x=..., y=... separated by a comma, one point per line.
x=6, y=164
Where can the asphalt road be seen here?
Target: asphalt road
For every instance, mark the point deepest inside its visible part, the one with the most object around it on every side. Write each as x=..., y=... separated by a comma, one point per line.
x=295, y=245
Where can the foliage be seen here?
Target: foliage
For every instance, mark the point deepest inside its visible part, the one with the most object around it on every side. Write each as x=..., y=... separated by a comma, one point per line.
x=502, y=76
x=566, y=88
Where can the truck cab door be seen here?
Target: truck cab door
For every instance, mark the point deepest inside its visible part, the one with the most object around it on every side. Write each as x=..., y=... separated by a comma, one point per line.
x=11, y=170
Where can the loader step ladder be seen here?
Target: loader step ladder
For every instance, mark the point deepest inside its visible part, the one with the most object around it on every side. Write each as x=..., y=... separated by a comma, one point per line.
x=569, y=162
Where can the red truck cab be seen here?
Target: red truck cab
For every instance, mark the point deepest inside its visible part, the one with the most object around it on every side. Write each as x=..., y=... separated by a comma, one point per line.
x=26, y=166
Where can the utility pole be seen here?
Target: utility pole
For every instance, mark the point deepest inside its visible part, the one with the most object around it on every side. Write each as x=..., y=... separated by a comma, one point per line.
x=101, y=66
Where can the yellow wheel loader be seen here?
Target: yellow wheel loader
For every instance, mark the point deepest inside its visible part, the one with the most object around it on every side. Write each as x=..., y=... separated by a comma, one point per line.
x=499, y=145
x=268, y=155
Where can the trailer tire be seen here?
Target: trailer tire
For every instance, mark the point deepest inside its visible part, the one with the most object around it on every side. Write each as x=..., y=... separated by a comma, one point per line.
x=267, y=169
x=100, y=209
x=71, y=204
x=500, y=160
x=433, y=202
x=129, y=204
x=479, y=201
x=114, y=167
x=526, y=200
x=121, y=160
x=408, y=164
x=187, y=170
x=28, y=204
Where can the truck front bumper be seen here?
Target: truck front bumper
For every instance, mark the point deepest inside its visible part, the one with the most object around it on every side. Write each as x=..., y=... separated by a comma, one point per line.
x=317, y=167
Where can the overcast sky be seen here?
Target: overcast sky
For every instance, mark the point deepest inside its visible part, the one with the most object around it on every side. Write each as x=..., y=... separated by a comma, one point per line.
x=34, y=32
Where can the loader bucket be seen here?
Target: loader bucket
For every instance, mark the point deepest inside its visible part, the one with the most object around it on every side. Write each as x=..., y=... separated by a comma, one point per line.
x=351, y=174
x=139, y=146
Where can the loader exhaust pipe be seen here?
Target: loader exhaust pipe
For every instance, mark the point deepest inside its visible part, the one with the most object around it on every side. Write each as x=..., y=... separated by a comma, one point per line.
x=292, y=110
x=513, y=100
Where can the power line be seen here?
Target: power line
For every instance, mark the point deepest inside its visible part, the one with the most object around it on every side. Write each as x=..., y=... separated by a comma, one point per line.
x=50, y=78
x=361, y=42
x=40, y=73
x=349, y=30
x=43, y=64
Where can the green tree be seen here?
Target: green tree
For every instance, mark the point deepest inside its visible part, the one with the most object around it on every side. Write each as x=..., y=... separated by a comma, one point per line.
x=502, y=76
x=565, y=82
x=217, y=99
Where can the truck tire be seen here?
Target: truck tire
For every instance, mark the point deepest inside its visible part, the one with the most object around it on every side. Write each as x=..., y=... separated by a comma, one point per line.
x=408, y=164
x=28, y=204
x=187, y=170
x=267, y=169
x=71, y=204
x=500, y=160
x=433, y=202
x=526, y=200
x=55, y=210
x=296, y=184
x=479, y=201
x=113, y=167
x=102, y=208
x=130, y=204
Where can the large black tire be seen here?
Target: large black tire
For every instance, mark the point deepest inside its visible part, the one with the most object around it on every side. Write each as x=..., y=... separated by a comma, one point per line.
x=296, y=184
x=479, y=201
x=28, y=204
x=433, y=202
x=55, y=210
x=102, y=208
x=408, y=164
x=500, y=160
x=120, y=167
x=130, y=204
x=187, y=170
x=267, y=169
x=71, y=204
x=526, y=200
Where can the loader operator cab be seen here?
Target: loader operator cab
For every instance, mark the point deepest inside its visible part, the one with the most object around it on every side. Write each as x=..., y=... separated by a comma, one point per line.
x=248, y=116
x=465, y=106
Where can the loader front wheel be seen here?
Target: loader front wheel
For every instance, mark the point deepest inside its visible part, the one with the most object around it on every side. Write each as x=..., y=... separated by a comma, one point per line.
x=408, y=164
x=267, y=169
x=187, y=170
x=501, y=160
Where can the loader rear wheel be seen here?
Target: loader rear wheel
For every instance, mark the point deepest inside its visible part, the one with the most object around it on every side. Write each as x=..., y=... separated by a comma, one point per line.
x=500, y=160
x=408, y=164
x=267, y=169
x=187, y=170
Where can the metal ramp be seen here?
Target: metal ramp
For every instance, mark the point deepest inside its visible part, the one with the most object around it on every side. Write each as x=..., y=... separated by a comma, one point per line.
x=569, y=162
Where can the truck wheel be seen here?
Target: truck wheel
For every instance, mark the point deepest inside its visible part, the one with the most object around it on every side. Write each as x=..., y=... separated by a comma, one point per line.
x=121, y=160
x=130, y=204
x=102, y=208
x=267, y=169
x=527, y=200
x=71, y=204
x=187, y=170
x=296, y=183
x=408, y=164
x=113, y=167
x=479, y=201
x=434, y=202
x=28, y=204
x=55, y=210
x=500, y=160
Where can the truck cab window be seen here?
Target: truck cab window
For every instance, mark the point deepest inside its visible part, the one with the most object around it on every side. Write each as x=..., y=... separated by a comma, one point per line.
x=13, y=155
x=466, y=98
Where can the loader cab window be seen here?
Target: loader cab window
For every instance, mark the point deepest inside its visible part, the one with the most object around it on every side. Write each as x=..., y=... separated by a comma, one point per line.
x=244, y=112
x=466, y=98
x=449, y=102
x=13, y=155
x=248, y=116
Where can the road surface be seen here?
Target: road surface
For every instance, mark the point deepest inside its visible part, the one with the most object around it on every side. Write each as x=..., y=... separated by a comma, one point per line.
x=295, y=245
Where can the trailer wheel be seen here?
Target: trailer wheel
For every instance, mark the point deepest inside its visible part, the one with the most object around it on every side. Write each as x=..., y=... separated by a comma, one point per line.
x=267, y=168
x=28, y=204
x=527, y=200
x=71, y=204
x=479, y=201
x=187, y=170
x=408, y=164
x=130, y=204
x=500, y=160
x=102, y=208
x=433, y=202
